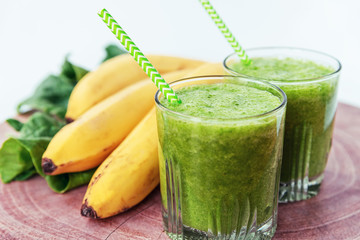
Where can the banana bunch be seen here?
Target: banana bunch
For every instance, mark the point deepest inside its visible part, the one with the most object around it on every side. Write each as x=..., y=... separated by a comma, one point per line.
x=114, y=75
x=131, y=171
x=113, y=124
x=86, y=142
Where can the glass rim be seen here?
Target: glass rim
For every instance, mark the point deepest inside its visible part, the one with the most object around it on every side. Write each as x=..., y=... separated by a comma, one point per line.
x=320, y=78
x=231, y=120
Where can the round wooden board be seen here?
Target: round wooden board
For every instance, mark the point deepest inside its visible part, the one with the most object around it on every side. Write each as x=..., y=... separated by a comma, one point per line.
x=30, y=210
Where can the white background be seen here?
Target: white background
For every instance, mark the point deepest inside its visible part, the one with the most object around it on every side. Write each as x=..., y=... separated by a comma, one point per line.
x=36, y=35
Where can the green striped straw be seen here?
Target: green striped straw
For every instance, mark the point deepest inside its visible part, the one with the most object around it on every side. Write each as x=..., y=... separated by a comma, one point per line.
x=139, y=57
x=226, y=32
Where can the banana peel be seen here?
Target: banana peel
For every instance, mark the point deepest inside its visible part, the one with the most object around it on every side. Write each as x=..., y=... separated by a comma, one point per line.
x=127, y=176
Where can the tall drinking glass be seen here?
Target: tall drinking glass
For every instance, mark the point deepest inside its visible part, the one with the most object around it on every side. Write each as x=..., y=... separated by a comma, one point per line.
x=220, y=156
x=310, y=81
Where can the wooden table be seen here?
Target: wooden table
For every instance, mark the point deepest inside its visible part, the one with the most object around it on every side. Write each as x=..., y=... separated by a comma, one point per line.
x=30, y=210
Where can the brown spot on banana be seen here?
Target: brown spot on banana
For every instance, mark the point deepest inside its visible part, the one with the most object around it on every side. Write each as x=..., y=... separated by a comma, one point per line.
x=95, y=179
x=48, y=165
x=69, y=120
x=88, y=211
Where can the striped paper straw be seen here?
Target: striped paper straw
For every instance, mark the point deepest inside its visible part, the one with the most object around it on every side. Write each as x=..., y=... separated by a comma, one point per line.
x=226, y=32
x=139, y=57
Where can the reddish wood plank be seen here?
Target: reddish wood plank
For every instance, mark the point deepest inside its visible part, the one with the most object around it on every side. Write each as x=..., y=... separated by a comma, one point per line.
x=30, y=210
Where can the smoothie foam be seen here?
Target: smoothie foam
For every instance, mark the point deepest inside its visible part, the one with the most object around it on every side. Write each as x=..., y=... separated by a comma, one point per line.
x=283, y=69
x=223, y=101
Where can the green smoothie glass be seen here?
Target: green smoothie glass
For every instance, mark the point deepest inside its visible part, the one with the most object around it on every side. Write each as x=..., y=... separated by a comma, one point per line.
x=310, y=81
x=220, y=157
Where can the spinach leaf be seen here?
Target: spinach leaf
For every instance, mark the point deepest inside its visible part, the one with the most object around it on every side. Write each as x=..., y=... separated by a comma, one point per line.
x=25, y=175
x=52, y=95
x=20, y=158
x=15, y=159
x=64, y=182
x=113, y=51
x=72, y=72
x=40, y=125
x=15, y=124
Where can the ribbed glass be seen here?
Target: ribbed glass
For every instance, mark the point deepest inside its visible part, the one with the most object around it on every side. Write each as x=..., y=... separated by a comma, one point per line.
x=309, y=120
x=219, y=178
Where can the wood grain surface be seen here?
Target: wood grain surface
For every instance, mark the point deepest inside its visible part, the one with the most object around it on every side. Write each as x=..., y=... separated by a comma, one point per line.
x=30, y=210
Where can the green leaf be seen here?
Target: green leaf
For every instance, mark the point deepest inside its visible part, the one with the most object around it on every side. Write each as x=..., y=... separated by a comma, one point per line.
x=17, y=125
x=64, y=182
x=72, y=72
x=25, y=175
x=14, y=160
x=41, y=125
x=52, y=95
x=20, y=158
x=17, y=156
x=113, y=51
x=36, y=147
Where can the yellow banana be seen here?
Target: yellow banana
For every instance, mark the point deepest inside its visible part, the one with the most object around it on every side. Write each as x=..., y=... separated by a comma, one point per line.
x=207, y=69
x=114, y=75
x=131, y=171
x=127, y=176
x=86, y=142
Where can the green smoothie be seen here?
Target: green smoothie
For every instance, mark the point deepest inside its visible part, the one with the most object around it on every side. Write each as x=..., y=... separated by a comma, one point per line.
x=309, y=118
x=218, y=162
